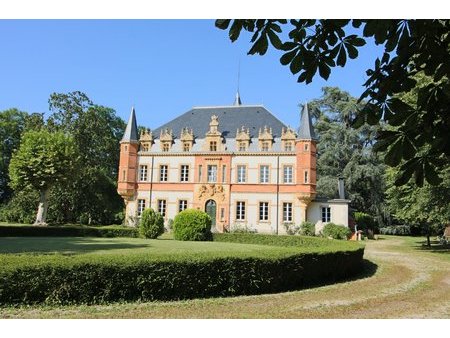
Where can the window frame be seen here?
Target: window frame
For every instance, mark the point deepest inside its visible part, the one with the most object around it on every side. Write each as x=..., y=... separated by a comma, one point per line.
x=240, y=214
x=140, y=208
x=143, y=173
x=325, y=214
x=159, y=204
x=209, y=172
x=184, y=174
x=263, y=214
x=239, y=178
x=287, y=212
x=182, y=205
x=212, y=145
x=165, y=177
x=285, y=167
x=267, y=175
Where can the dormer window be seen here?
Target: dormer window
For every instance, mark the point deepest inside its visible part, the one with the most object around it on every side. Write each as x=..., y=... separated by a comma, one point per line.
x=165, y=147
x=213, y=146
x=186, y=146
x=144, y=147
x=166, y=139
x=265, y=146
x=288, y=146
x=265, y=139
x=242, y=146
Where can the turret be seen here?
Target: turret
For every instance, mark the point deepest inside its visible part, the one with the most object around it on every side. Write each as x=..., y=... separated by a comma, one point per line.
x=306, y=155
x=129, y=146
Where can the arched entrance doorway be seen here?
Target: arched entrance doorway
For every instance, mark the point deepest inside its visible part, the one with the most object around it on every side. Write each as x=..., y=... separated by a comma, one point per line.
x=211, y=209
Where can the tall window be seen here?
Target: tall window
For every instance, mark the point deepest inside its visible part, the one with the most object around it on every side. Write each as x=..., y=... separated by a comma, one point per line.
x=287, y=212
x=306, y=147
x=184, y=174
x=288, y=174
x=145, y=147
x=182, y=205
x=141, y=207
x=162, y=207
x=326, y=214
x=306, y=177
x=186, y=146
x=240, y=211
x=265, y=146
x=212, y=173
x=224, y=173
x=199, y=173
x=263, y=211
x=213, y=146
x=288, y=146
x=264, y=174
x=163, y=173
x=241, y=169
x=165, y=147
x=124, y=175
x=242, y=146
x=143, y=173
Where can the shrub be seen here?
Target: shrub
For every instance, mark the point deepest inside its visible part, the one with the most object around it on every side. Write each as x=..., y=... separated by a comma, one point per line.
x=397, y=230
x=307, y=229
x=151, y=224
x=291, y=228
x=192, y=225
x=67, y=231
x=336, y=231
x=242, y=229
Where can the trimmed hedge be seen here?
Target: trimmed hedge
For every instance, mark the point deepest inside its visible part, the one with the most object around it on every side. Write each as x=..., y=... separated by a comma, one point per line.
x=336, y=231
x=151, y=224
x=291, y=263
x=67, y=231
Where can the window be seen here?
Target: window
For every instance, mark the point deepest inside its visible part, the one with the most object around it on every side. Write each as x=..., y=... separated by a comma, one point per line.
x=288, y=174
x=126, y=148
x=213, y=146
x=306, y=176
x=306, y=147
x=287, y=212
x=184, y=177
x=141, y=207
x=240, y=211
x=222, y=213
x=242, y=146
x=163, y=170
x=162, y=207
x=145, y=147
x=326, y=214
x=124, y=175
x=143, y=173
x=224, y=173
x=165, y=147
x=212, y=173
x=199, y=173
x=186, y=146
x=182, y=205
x=264, y=174
x=265, y=146
x=288, y=146
x=263, y=211
x=241, y=169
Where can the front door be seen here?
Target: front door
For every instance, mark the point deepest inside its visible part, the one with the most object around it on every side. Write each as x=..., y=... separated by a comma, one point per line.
x=210, y=209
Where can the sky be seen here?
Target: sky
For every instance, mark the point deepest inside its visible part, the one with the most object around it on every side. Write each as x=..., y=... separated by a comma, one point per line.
x=162, y=67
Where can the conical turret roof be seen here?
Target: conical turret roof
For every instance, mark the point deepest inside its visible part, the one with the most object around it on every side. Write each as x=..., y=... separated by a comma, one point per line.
x=131, y=132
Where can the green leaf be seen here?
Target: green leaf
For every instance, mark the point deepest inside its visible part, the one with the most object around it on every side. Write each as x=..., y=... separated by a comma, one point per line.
x=275, y=40
x=296, y=64
x=324, y=70
x=394, y=154
x=342, y=57
x=235, y=30
x=286, y=58
x=352, y=51
x=408, y=149
x=260, y=46
x=431, y=175
x=222, y=24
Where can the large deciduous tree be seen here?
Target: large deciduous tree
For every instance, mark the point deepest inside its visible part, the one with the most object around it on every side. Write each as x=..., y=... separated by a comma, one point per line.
x=42, y=160
x=410, y=47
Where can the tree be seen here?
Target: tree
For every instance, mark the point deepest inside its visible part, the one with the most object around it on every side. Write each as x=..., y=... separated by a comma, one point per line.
x=42, y=160
x=410, y=47
x=427, y=206
x=347, y=152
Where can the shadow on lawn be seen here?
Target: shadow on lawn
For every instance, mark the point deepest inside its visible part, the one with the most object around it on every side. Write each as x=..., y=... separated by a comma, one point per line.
x=62, y=245
x=435, y=247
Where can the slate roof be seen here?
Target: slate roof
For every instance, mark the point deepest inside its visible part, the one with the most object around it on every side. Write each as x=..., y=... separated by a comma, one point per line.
x=131, y=132
x=230, y=119
x=306, y=130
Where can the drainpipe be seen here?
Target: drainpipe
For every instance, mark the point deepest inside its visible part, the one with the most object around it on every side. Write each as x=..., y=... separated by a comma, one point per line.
x=278, y=191
x=151, y=181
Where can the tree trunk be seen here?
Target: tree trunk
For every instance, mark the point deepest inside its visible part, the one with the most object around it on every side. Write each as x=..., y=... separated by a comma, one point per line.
x=41, y=216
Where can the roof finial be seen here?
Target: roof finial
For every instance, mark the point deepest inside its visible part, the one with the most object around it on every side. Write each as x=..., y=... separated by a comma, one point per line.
x=237, y=100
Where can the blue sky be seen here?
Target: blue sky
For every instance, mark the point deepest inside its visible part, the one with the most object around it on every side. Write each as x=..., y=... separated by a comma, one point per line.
x=163, y=67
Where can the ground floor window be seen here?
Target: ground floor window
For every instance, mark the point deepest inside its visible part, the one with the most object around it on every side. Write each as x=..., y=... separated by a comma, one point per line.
x=240, y=211
x=182, y=205
x=326, y=214
x=287, y=212
x=263, y=211
x=141, y=207
x=162, y=207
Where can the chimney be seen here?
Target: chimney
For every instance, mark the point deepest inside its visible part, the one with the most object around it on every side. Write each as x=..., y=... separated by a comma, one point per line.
x=341, y=188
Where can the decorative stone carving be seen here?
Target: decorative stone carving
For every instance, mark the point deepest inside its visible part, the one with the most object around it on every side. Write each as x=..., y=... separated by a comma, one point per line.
x=215, y=191
x=187, y=139
x=166, y=139
x=213, y=138
x=288, y=137
x=242, y=139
